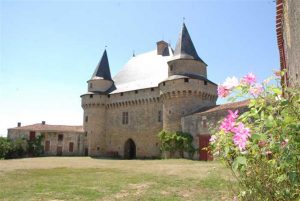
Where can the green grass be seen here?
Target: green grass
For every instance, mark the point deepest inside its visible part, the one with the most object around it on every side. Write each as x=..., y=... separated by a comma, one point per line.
x=116, y=180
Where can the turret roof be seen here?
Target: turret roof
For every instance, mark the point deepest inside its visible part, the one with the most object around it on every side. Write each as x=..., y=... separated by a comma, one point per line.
x=185, y=48
x=102, y=70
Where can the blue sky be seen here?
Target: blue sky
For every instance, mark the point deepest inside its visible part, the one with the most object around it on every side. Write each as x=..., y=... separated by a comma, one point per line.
x=49, y=49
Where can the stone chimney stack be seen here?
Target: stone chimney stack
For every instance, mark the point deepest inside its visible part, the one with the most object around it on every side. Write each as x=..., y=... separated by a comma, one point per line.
x=43, y=122
x=19, y=124
x=162, y=48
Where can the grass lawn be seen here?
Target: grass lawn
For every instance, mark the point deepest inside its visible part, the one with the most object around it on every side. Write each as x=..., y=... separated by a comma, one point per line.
x=84, y=178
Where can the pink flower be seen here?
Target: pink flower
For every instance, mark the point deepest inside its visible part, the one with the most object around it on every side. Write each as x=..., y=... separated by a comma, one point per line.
x=229, y=121
x=256, y=90
x=213, y=139
x=222, y=91
x=249, y=79
x=230, y=83
x=240, y=141
x=233, y=115
x=241, y=136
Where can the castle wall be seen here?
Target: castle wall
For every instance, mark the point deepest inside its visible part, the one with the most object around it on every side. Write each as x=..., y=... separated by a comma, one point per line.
x=105, y=127
x=143, y=108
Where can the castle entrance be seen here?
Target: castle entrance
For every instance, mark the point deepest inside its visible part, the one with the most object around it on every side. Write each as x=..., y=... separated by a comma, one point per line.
x=129, y=149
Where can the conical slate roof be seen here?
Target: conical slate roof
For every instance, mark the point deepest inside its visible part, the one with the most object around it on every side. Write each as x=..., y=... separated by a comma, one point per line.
x=185, y=48
x=102, y=70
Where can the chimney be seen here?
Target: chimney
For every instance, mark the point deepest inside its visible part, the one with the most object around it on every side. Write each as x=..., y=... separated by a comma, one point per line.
x=43, y=122
x=19, y=124
x=162, y=48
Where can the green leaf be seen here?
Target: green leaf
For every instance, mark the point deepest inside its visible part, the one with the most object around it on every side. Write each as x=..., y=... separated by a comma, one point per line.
x=241, y=160
x=256, y=136
x=277, y=91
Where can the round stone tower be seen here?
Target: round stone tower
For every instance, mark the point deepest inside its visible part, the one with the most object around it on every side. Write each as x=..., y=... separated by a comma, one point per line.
x=187, y=88
x=94, y=106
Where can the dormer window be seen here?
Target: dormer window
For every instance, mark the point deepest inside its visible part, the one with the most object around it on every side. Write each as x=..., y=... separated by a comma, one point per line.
x=91, y=85
x=186, y=79
x=205, y=82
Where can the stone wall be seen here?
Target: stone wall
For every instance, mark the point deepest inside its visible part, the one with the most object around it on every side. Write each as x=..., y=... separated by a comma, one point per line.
x=291, y=34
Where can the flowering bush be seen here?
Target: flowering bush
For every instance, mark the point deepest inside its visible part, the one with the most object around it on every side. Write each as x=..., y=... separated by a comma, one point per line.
x=262, y=145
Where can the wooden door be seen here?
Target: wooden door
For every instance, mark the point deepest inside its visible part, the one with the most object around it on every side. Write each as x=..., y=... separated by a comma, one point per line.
x=204, y=154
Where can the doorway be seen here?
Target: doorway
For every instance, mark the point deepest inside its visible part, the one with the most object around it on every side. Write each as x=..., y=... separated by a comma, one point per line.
x=204, y=153
x=129, y=149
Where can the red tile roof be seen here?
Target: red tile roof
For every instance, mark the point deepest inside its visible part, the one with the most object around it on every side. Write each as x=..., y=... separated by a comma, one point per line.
x=227, y=106
x=47, y=127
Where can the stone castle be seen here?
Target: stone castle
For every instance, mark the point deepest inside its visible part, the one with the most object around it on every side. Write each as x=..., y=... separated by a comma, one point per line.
x=163, y=89
x=154, y=91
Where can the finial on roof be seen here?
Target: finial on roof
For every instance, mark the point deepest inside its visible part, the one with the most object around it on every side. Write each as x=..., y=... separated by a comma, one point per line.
x=185, y=48
x=102, y=70
x=183, y=19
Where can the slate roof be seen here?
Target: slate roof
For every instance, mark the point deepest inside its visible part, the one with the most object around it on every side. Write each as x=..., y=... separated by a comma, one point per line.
x=102, y=70
x=47, y=127
x=142, y=71
x=185, y=48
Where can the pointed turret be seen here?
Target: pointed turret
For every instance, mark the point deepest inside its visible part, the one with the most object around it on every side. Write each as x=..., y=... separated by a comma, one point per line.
x=102, y=70
x=186, y=60
x=101, y=79
x=185, y=48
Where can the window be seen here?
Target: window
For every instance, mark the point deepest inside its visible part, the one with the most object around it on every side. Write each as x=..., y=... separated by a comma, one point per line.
x=60, y=137
x=186, y=79
x=86, y=119
x=205, y=82
x=125, y=118
x=108, y=96
x=47, y=146
x=164, y=83
x=91, y=95
x=71, y=146
x=91, y=85
x=136, y=91
x=152, y=89
x=122, y=94
x=159, y=116
x=85, y=134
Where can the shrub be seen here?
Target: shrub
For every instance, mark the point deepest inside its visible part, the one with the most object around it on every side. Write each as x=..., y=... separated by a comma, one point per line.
x=176, y=142
x=262, y=145
x=5, y=147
